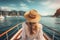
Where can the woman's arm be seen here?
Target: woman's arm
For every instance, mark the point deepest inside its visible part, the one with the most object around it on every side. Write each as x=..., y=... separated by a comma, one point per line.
x=40, y=34
x=23, y=32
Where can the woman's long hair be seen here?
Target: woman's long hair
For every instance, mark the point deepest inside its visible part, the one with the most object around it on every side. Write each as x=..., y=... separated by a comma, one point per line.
x=32, y=27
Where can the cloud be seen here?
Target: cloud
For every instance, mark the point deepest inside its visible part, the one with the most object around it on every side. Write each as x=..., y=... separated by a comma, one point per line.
x=30, y=1
x=7, y=8
x=52, y=4
x=46, y=2
x=23, y=6
x=12, y=5
x=45, y=13
x=58, y=1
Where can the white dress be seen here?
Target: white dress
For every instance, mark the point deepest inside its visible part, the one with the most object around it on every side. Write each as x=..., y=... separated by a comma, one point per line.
x=37, y=36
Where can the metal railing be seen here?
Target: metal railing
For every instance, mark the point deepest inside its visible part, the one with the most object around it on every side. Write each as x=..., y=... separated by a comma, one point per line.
x=52, y=32
x=16, y=26
x=6, y=32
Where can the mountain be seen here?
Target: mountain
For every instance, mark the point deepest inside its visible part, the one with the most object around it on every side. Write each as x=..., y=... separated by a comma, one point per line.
x=57, y=14
x=12, y=13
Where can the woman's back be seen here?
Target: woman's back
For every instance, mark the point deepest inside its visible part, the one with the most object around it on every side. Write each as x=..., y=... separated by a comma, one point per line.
x=26, y=35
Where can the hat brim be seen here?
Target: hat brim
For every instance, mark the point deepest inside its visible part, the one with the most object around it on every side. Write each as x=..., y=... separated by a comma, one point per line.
x=37, y=19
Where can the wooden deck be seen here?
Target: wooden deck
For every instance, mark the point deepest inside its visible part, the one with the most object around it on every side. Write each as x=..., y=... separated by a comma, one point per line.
x=18, y=35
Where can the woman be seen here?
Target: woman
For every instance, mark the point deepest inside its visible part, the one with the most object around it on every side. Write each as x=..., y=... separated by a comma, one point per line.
x=32, y=30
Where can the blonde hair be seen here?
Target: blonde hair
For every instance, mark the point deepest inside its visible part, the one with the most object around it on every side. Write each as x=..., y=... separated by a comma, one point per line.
x=32, y=27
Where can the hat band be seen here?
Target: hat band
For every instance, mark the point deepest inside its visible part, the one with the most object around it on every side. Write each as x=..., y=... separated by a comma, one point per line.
x=32, y=16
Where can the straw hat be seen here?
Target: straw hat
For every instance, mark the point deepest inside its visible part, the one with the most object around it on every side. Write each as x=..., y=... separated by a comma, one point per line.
x=32, y=16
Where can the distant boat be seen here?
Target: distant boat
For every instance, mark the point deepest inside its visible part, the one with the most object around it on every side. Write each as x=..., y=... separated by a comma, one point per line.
x=1, y=17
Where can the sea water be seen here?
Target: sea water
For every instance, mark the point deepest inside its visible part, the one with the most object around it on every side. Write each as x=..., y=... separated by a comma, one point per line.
x=51, y=22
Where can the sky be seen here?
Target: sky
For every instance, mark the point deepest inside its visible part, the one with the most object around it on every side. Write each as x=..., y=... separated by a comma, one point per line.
x=44, y=7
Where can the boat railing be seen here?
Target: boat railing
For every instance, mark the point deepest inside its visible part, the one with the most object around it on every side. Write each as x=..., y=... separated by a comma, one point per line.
x=6, y=33
x=54, y=34
x=17, y=36
x=18, y=28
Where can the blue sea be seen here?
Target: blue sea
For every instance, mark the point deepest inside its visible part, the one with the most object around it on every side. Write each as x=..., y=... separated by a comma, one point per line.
x=51, y=22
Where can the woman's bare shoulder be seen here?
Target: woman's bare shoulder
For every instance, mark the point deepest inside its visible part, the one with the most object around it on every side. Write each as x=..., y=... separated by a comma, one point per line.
x=40, y=26
x=24, y=23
